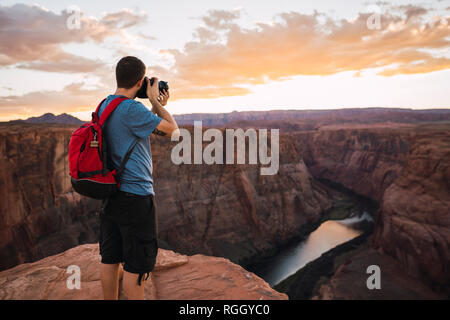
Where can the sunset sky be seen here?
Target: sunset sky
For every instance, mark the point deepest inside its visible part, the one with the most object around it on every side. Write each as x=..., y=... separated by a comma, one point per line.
x=221, y=56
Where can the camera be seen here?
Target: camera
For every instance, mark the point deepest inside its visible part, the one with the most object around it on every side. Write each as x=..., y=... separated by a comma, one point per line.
x=142, y=93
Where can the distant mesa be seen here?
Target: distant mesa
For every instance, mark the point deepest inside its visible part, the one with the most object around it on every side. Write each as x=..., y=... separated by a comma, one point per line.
x=289, y=120
x=63, y=118
x=314, y=118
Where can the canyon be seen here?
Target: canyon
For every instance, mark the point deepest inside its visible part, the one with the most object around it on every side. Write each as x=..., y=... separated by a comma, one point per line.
x=409, y=176
x=223, y=210
x=232, y=211
x=406, y=170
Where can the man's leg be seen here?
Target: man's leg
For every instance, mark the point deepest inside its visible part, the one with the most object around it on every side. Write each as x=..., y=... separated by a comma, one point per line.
x=109, y=274
x=110, y=242
x=140, y=246
x=131, y=289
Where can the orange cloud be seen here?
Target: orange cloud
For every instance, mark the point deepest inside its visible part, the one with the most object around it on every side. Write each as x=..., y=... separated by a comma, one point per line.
x=72, y=98
x=226, y=56
x=32, y=38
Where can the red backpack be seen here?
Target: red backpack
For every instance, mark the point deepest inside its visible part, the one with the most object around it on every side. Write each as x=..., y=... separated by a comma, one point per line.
x=88, y=161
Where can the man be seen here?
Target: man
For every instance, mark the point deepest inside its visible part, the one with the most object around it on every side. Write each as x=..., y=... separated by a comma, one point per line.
x=128, y=222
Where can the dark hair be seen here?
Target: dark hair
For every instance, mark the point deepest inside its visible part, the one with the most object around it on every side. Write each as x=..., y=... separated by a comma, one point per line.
x=129, y=71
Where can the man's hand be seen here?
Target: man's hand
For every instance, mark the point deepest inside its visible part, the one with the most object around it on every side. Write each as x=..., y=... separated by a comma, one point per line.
x=152, y=91
x=163, y=97
x=168, y=126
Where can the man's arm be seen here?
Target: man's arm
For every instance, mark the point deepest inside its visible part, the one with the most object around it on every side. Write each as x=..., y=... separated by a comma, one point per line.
x=168, y=126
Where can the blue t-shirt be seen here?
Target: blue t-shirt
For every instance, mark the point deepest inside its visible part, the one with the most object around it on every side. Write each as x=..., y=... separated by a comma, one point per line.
x=129, y=121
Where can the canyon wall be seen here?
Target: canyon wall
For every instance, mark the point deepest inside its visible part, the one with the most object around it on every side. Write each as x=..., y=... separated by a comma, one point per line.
x=364, y=159
x=414, y=220
x=39, y=213
x=232, y=210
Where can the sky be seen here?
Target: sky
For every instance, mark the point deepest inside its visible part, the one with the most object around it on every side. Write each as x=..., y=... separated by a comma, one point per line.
x=221, y=56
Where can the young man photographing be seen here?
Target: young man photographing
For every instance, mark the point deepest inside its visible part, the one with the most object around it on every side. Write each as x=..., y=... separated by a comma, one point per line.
x=128, y=222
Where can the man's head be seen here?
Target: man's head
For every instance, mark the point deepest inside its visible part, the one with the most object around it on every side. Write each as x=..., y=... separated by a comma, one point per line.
x=130, y=72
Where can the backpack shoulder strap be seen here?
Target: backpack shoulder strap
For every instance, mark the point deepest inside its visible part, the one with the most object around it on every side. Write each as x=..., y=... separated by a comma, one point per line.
x=109, y=109
x=95, y=113
x=99, y=105
x=125, y=159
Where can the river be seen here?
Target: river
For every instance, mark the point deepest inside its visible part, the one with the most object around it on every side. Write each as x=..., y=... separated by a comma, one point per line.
x=330, y=234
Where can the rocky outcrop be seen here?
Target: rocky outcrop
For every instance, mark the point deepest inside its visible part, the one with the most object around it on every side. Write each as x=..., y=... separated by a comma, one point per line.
x=350, y=276
x=39, y=213
x=341, y=273
x=175, y=277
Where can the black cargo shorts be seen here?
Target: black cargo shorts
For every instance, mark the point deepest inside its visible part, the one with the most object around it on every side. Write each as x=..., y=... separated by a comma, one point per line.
x=129, y=232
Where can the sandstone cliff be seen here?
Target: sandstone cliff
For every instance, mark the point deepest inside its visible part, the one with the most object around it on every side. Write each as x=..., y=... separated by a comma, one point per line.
x=175, y=277
x=233, y=211
x=341, y=274
x=414, y=220
x=39, y=213
x=349, y=279
x=364, y=159
x=407, y=170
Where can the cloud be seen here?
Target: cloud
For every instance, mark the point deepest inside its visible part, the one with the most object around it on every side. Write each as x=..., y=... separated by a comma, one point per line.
x=72, y=98
x=224, y=58
x=32, y=37
x=65, y=63
x=412, y=11
x=221, y=19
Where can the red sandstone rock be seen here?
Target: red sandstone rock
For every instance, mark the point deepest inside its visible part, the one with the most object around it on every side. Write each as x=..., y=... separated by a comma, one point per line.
x=363, y=159
x=175, y=277
x=408, y=170
x=39, y=213
x=349, y=280
x=414, y=221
